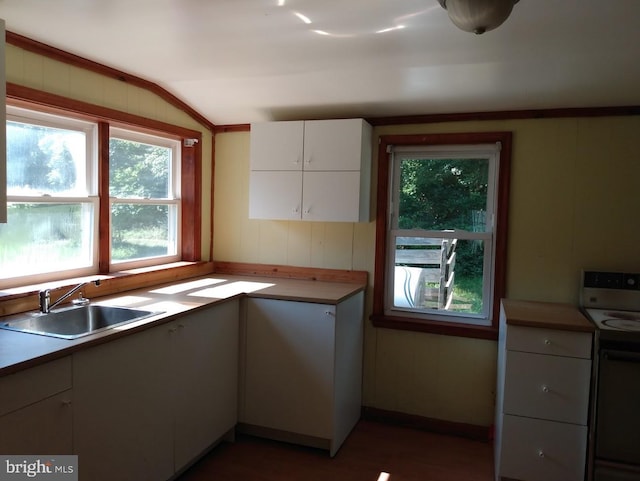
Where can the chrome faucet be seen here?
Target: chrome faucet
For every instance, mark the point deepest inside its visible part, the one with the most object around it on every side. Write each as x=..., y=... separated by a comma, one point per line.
x=45, y=297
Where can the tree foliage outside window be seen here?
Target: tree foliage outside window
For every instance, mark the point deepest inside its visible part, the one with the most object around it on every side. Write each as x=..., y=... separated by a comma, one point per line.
x=140, y=177
x=438, y=194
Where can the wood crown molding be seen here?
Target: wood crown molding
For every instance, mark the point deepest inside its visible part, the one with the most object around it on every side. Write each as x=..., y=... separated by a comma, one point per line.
x=48, y=51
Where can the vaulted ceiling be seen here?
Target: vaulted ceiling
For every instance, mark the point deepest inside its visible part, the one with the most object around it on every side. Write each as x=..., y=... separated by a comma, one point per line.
x=239, y=61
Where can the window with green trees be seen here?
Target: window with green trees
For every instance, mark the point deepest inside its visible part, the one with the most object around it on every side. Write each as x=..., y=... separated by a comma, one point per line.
x=54, y=206
x=441, y=232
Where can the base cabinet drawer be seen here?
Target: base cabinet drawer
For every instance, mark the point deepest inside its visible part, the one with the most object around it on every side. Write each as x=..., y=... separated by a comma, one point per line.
x=547, y=387
x=540, y=450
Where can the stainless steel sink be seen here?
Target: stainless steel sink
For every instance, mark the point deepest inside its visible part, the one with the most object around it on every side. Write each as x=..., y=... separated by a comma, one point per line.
x=74, y=322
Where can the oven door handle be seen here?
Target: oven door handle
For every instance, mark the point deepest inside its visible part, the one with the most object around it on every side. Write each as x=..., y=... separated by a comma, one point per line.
x=623, y=356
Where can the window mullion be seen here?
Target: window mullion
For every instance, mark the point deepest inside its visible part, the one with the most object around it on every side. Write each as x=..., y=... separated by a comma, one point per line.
x=104, y=215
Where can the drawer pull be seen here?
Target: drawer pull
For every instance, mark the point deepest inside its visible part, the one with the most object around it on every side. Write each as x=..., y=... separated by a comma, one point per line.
x=545, y=388
x=541, y=453
x=547, y=342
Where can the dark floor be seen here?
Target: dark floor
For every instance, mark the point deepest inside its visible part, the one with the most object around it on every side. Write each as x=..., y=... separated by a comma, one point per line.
x=373, y=448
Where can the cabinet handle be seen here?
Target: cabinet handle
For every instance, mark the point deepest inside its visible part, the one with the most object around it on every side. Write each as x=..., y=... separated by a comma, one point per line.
x=545, y=388
x=541, y=453
x=307, y=160
x=66, y=403
x=329, y=313
x=307, y=210
x=172, y=330
x=547, y=342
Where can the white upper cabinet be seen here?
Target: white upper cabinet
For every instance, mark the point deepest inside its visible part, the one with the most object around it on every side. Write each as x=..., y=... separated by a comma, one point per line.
x=277, y=145
x=3, y=140
x=336, y=144
x=316, y=170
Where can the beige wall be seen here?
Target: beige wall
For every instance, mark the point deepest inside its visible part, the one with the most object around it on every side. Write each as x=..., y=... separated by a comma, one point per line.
x=38, y=72
x=575, y=198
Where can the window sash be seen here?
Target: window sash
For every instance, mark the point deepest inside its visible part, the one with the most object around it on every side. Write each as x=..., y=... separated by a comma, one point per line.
x=49, y=267
x=89, y=129
x=172, y=200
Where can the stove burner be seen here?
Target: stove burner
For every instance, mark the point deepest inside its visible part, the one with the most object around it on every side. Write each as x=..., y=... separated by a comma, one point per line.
x=628, y=324
x=628, y=316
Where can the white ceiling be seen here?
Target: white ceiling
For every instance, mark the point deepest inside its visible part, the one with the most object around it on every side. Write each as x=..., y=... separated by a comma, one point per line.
x=239, y=61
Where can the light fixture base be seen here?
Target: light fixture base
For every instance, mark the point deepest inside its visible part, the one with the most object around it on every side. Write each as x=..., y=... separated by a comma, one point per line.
x=478, y=16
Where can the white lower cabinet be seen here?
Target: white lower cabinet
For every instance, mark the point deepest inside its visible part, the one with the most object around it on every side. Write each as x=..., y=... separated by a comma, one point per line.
x=148, y=404
x=36, y=410
x=123, y=427
x=205, y=364
x=544, y=378
x=302, y=370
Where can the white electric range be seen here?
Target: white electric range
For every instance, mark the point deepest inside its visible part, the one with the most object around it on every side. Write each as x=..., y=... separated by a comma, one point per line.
x=612, y=301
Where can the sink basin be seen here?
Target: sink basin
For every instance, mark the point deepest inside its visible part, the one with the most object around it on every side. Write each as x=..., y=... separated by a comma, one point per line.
x=75, y=322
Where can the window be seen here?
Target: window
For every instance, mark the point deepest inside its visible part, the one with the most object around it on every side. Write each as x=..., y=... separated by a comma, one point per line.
x=52, y=196
x=73, y=212
x=143, y=197
x=441, y=232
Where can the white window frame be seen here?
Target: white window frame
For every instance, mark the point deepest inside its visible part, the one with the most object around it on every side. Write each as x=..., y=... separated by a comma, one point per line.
x=89, y=198
x=174, y=198
x=491, y=152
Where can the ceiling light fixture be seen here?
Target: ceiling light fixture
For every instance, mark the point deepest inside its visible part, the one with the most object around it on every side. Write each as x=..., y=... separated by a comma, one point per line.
x=478, y=16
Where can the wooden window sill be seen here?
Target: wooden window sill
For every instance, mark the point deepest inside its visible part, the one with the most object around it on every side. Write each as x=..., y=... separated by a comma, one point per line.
x=435, y=327
x=25, y=298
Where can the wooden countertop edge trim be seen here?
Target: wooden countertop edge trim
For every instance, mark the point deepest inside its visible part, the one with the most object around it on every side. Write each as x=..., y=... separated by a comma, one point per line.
x=307, y=299
x=291, y=272
x=545, y=315
x=550, y=325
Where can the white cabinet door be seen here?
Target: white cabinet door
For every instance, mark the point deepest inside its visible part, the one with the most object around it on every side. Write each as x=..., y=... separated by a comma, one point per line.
x=36, y=410
x=275, y=195
x=123, y=425
x=276, y=145
x=205, y=378
x=331, y=196
x=289, y=366
x=334, y=144
x=44, y=427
